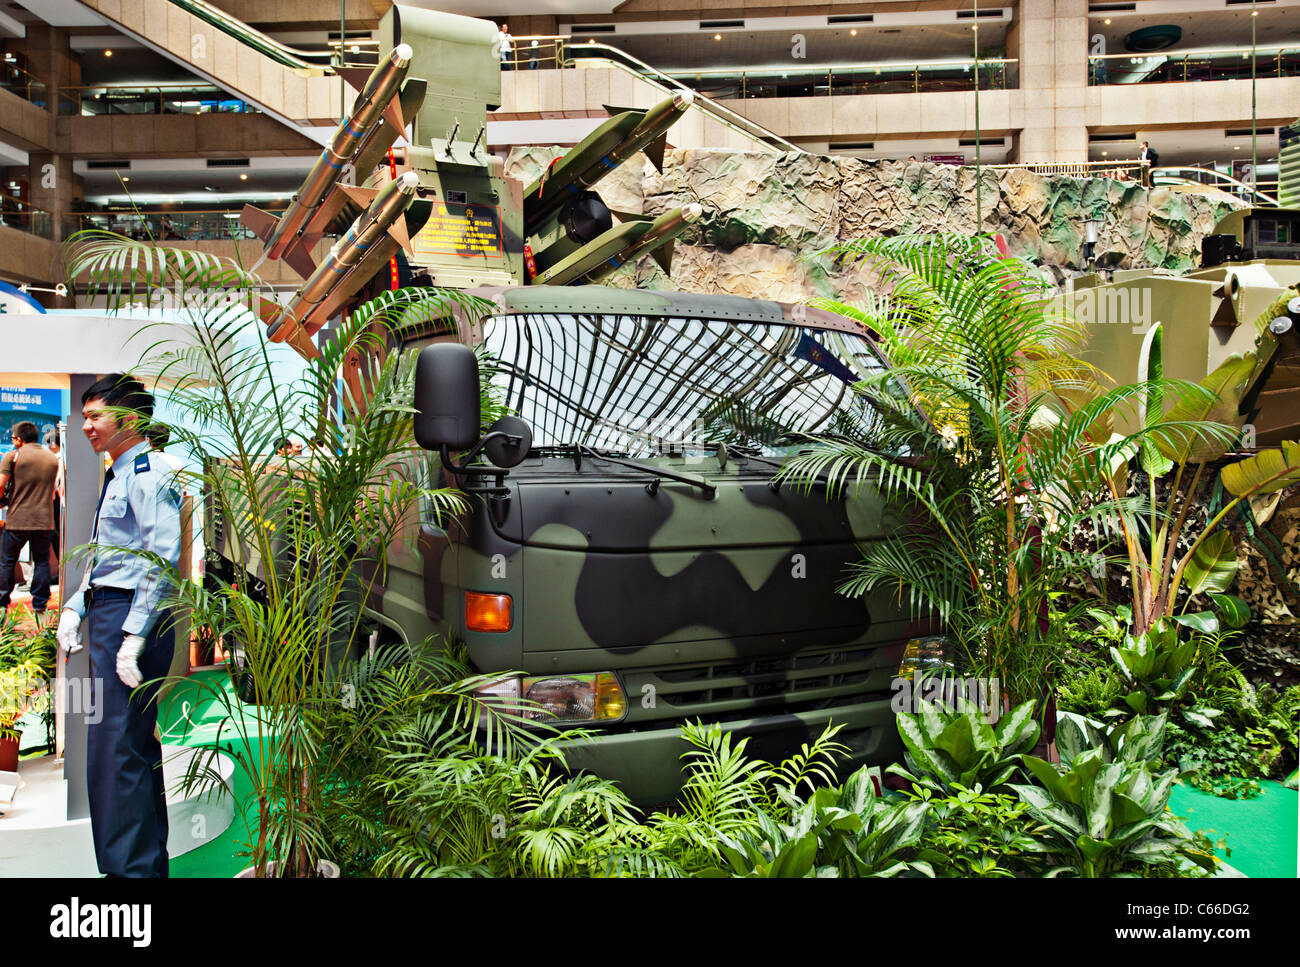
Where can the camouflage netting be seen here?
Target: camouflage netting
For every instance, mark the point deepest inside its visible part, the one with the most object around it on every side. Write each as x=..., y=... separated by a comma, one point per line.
x=765, y=216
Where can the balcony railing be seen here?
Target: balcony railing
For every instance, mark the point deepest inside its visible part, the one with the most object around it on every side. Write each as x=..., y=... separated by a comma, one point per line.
x=1119, y=169
x=552, y=52
x=1218, y=64
x=18, y=81
x=187, y=99
x=167, y=226
x=26, y=218
x=996, y=74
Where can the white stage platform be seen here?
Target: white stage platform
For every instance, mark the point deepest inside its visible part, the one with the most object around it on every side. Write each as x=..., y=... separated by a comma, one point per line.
x=36, y=838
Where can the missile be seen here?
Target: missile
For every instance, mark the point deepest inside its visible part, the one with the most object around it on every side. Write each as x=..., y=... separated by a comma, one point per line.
x=373, y=107
x=375, y=234
x=599, y=153
x=620, y=245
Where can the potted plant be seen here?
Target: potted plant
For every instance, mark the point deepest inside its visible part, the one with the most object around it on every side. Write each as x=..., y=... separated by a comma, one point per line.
x=26, y=664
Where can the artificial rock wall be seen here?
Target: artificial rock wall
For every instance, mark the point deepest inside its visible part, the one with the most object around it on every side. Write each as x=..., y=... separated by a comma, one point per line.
x=768, y=219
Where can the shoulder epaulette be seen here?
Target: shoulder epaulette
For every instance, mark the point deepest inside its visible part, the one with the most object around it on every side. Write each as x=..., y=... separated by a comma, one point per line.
x=142, y=463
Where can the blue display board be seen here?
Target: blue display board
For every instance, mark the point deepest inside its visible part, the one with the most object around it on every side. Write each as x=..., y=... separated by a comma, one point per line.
x=44, y=407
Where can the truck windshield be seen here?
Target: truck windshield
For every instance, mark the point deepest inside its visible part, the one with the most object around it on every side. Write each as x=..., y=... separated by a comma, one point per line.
x=648, y=385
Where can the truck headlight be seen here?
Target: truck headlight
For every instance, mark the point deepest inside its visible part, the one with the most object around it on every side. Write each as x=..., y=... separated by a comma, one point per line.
x=563, y=699
x=933, y=653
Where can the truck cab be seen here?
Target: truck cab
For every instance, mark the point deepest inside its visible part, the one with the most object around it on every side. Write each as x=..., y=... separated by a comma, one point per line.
x=627, y=548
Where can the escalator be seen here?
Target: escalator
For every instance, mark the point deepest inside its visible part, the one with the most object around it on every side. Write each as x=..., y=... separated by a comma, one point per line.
x=298, y=88
x=755, y=136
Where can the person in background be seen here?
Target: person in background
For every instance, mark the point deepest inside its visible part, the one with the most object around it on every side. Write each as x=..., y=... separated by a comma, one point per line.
x=31, y=514
x=131, y=641
x=505, y=46
x=284, y=447
x=532, y=57
x=1152, y=158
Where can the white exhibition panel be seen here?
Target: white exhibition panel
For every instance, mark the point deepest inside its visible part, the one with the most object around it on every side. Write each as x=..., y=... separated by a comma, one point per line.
x=81, y=342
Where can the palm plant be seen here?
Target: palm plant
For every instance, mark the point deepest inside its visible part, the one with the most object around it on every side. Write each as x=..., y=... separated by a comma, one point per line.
x=1008, y=437
x=307, y=537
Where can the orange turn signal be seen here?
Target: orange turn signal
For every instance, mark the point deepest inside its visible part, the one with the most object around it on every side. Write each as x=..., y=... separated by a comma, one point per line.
x=487, y=612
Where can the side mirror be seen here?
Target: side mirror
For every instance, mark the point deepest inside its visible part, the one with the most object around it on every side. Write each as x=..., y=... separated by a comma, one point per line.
x=446, y=397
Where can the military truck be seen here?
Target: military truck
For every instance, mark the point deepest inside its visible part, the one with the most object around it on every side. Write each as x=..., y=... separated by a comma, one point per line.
x=627, y=547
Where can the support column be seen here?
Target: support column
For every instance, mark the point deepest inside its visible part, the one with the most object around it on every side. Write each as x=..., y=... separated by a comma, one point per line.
x=85, y=472
x=1050, y=38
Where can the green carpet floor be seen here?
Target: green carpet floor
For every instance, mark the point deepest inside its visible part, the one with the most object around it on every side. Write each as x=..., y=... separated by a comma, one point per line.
x=1261, y=832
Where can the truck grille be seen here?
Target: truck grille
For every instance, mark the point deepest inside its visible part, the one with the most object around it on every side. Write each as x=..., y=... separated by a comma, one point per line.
x=775, y=680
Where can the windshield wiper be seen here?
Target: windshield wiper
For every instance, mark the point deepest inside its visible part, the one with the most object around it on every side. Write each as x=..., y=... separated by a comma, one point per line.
x=658, y=472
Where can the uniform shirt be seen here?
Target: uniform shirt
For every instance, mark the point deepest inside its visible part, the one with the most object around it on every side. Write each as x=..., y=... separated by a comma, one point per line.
x=141, y=509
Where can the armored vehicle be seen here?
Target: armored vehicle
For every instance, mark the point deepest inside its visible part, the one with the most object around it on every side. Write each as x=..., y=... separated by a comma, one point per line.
x=1243, y=298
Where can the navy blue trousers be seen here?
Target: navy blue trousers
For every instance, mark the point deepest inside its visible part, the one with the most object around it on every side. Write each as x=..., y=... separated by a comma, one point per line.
x=128, y=811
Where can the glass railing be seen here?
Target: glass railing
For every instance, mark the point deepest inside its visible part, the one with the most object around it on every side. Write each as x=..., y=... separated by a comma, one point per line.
x=1220, y=64
x=187, y=99
x=166, y=226
x=994, y=75
x=17, y=81
x=25, y=218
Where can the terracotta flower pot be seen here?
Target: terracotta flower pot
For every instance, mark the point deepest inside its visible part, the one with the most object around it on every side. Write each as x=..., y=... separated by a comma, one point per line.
x=8, y=753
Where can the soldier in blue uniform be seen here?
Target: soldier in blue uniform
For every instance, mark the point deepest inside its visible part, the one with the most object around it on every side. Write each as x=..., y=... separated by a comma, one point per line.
x=130, y=640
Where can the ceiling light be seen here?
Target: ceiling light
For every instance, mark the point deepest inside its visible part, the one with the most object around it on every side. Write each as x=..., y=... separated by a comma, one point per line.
x=1236, y=147
x=354, y=49
x=126, y=178
x=853, y=32
x=108, y=53
x=1106, y=21
x=243, y=177
x=1103, y=154
x=1254, y=13
x=717, y=36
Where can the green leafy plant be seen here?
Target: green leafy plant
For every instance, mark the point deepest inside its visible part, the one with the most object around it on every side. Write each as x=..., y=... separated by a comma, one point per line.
x=1105, y=809
x=26, y=665
x=950, y=748
x=970, y=832
x=1004, y=433
x=846, y=831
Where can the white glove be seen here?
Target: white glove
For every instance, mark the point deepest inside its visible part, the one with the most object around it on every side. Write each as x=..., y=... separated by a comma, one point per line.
x=69, y=632
x=127, y=669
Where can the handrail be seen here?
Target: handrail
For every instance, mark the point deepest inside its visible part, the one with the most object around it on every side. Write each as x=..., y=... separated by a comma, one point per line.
x=1200, y=52
x=668, y=85
x=1165, y=174
x=296, y=60
x=1144, y=68
x=25, y=217
x=17, y=79
x=845, y=68
x=169, y=224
